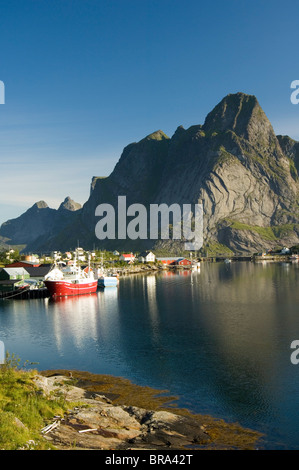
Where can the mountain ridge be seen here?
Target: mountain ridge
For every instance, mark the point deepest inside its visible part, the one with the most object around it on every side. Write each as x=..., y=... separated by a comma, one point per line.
x=245, y=176
x=38, y=222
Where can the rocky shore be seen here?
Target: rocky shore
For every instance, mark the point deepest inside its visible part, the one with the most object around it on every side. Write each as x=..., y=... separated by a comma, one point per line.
x=114, y=414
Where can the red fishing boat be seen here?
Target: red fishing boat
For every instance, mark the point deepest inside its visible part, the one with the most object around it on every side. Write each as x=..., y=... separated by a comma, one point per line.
x=78, y=282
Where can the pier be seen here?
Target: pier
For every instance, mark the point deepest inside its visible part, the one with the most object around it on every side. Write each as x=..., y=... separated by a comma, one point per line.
x=25, y=294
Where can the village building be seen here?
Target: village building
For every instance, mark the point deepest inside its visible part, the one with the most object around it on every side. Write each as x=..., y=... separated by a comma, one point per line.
x=39, y=272
x=13, y=274
x=10, y=277
x=36, y=271
x=147, y=257
x=23, y=264
x=129, y=258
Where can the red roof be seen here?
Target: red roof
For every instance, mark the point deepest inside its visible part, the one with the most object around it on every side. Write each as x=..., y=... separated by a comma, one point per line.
x=23, y=264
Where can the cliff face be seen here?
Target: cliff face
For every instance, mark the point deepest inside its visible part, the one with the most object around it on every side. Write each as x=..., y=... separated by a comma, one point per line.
x=234, y=164
x=245, y=176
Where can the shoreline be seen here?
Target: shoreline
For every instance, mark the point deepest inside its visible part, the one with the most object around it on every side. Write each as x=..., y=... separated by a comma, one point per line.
x=146, y=268
x=117, y=414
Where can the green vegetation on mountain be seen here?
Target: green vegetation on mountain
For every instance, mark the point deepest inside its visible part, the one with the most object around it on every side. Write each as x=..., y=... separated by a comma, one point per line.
x=273, y=233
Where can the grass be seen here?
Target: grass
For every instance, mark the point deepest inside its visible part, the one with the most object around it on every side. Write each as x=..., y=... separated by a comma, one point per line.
x=267, y=233
x=214, y=249
x=24, y=410
x=293, y=169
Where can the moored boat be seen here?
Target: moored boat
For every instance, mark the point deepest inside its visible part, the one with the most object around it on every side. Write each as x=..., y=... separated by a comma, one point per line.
x=107, y=279
x=79, y=282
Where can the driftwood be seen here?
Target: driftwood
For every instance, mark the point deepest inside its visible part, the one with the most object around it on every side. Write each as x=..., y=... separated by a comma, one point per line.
x=49, y=428
x=87, y=430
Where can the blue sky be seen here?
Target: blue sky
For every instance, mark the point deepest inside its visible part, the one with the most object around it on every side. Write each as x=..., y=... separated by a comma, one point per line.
x=84, y=78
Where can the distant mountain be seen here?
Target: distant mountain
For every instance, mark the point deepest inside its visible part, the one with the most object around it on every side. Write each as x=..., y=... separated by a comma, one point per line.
x=245, y=176
x=38, y=224
x=69, y=205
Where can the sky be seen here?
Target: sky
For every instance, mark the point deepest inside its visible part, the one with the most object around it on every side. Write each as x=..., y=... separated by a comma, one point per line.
x=84, y=78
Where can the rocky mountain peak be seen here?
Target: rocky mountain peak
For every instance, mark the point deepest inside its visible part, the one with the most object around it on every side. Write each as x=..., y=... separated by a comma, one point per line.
x=157, y=135
x=40, y=205
x=243, y=115
x=244, y=174
x=70, y=205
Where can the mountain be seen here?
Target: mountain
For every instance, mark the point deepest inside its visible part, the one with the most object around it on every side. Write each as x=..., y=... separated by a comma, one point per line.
x=38, y=224
x=233, y=163
x=245, y=176
x=69, y=205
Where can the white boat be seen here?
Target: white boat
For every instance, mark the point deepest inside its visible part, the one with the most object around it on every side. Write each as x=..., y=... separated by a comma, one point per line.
x=107, y=279
x=227, y=261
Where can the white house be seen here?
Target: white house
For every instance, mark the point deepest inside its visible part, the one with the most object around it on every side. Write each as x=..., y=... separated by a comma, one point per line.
x=147, y=257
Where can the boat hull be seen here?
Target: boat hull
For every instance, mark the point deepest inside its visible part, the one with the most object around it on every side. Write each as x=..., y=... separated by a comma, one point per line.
x=107, y=281
x=64, y=288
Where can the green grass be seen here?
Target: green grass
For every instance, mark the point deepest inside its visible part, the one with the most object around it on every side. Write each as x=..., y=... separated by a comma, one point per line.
x=267, y=233
x=24, y=410
x=293, y=169
x=214, y=249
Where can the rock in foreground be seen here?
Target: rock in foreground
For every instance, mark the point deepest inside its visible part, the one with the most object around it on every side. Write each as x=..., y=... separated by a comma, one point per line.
x=99, y=423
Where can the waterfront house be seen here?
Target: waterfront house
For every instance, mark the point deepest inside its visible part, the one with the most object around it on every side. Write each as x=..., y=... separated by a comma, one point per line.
x=168, y=260
x=183, y=262
x=23, y=264
x=128, y=257
x=13, y=274
x=11, y=277
x=146, y=257
x=39, y=272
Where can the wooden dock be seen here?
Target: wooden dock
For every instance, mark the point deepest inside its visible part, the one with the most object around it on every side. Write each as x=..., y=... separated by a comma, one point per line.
x=25, y=294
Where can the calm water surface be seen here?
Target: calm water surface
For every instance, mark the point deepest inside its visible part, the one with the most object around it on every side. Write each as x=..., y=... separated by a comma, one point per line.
x=219, y=339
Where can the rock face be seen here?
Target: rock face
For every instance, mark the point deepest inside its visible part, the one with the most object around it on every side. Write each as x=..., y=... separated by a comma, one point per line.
x=245, y=176
x=234, y=164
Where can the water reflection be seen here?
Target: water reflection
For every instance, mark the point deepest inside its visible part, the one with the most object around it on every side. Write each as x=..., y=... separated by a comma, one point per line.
x=218, y=337
x=74, y=316
x=221, y=337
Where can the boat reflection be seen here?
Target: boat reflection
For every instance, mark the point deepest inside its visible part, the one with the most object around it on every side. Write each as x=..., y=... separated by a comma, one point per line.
x=74, y=299
x=82, y=318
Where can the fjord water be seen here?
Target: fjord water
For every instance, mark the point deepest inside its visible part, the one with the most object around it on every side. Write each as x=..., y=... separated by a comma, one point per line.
x=219, y=339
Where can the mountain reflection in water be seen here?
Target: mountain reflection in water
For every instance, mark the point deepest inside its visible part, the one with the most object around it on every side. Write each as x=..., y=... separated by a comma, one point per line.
x=218, y=338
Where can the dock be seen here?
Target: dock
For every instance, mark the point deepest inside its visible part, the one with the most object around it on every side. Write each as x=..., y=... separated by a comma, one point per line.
x=25, y=294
